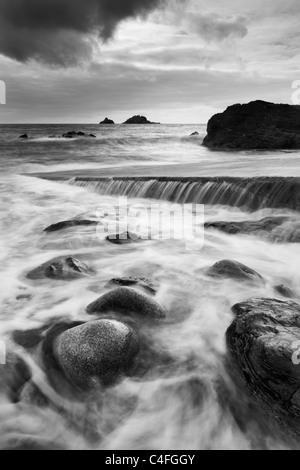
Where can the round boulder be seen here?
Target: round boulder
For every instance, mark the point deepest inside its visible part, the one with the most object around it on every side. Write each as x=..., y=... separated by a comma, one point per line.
x=127, y=301
x=68, y=269
x=234, y=270
x=137, y=282
x=96, y=353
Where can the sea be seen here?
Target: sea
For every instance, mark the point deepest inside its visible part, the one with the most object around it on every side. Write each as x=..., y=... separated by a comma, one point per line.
x=46, y=179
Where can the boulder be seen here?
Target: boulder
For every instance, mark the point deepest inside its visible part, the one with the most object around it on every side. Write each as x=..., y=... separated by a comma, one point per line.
x=107, y=121
x=139, y=282
x=63, y=268
x=124, y=238
x=263, y=345
x=70, y=135
x=96, y=353
x=256, y=125
x=126, y=301
x=70, y=224
x=194, y=134
x=284, y=291
x=139, y=120
x=234, y=270
x=23, y=136
x=93, y=136
x=81, y=134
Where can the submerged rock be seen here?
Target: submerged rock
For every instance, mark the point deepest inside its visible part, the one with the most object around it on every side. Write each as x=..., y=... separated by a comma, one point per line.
x=107, y=121
x=69, y=135
x=81, y=134
x=285, y=291
x=139, y=120
x=264, y=355
x=126, y=301
x=70, y=224
x=96, y=353
x=63, y=268
x=93, y=136
x=257, y=125
x=194, y=134
x=234, y=270
x=142, y=282
x=123, y=238
x=23, y=136
x=14, y=374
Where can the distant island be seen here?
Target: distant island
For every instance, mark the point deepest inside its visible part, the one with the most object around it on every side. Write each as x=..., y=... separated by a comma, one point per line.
x=256, y=125
x=139, y=120
x=107, y=121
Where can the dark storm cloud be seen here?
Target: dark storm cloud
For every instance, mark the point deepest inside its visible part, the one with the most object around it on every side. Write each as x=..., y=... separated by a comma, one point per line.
x=61, y=31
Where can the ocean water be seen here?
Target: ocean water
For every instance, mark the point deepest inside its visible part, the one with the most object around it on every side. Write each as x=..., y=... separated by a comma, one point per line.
x=192, y=404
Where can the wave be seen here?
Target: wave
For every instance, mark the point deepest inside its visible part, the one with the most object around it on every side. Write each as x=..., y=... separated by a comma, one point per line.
x=251, y=193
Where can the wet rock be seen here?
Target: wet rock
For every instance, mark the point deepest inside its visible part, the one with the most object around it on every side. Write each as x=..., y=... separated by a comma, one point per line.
x=123, y=238
x=263, y=345
x=68, y=268
x=107, y=121
x=81, y=134
x=139, y=120
x=194, y=134
x=127, y=301
x=257, y=125
x=24, y=136
x=285, y=291
x=93, y=136
x=29, y=339
x=70, y=135
x=70, y=224
x=234, y=270
x=96, y=353
x=280, y=229
x=146, y=284
x=13, y=376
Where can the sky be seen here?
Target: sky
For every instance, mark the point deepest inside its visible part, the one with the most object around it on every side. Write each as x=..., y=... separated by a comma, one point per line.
x=174, y=61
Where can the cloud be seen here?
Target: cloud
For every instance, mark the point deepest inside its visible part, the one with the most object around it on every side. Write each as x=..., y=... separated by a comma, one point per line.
x=62, y=32
x=214, y=28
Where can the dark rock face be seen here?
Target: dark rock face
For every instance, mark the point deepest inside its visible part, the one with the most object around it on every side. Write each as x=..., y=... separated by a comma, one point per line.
x=107, y=121
x=257, y=125
x=144, y=283
x=61, y=268
x=264, y=355
x=234, y=270
x=126, y=301
x=139, y=120
x=70, y=224
x=124, y=238
x=96, y=353
x=285, y=291
x=23, y=136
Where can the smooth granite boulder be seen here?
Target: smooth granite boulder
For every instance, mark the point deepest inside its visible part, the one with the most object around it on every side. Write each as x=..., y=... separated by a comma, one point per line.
x=256, y=125
x=96, y=353
x=234, y=270
x=63, y=268
x=127, y=301
x=263, y=345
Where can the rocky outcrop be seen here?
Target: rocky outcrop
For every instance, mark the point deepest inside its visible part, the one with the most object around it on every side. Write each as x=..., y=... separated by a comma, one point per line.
x=124, y=238
x=234, y=270
x=127, y=301
x=96, y=353
x=139, y=120
x=63, y=268
x=138, y=282
x=70, y=224
x=264, y=355
x=107, y=121
x=278, y=229
x=257, y=125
